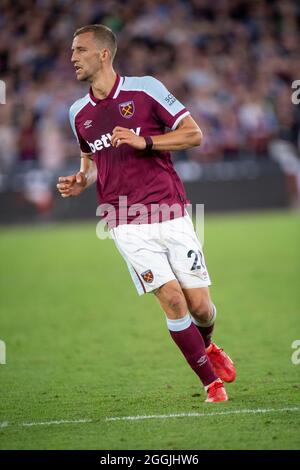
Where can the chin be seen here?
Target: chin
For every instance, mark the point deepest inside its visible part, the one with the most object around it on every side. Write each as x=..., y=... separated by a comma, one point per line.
x=82, y=78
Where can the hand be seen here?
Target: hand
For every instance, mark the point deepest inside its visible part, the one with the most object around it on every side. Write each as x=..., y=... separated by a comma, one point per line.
x=71, y=185
x=122, y=135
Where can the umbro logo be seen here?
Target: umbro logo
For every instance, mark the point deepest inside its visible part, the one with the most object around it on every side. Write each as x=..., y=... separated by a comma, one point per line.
x=202, y=360
x=88, y=124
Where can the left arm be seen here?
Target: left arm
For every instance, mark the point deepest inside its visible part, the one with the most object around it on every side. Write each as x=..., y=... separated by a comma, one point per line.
x=186, y=135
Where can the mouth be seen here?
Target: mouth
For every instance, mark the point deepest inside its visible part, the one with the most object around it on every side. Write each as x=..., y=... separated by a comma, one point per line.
x=77, y=68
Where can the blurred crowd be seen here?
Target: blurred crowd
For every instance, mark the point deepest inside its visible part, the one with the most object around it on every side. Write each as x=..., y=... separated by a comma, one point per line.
x=231, y=62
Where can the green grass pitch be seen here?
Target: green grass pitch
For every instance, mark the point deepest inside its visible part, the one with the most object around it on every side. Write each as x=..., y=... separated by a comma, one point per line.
x=81, y=345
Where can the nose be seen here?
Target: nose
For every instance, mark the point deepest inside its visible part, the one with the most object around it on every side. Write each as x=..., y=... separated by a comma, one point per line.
x=73, y=58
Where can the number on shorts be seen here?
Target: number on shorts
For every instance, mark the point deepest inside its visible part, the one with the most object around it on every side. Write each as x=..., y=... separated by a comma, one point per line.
x=198, y=259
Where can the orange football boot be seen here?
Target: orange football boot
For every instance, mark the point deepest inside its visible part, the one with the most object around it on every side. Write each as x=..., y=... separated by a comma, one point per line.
x=221, y=363
x=216, y=392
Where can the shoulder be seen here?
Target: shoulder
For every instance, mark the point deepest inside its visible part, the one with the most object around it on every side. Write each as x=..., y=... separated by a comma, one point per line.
x=146, y=84
x=78, y=106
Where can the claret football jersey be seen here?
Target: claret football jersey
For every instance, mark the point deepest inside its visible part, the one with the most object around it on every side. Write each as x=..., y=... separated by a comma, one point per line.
x=144, y=105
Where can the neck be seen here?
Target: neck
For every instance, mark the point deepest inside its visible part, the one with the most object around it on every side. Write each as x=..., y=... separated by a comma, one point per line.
x=102, y=84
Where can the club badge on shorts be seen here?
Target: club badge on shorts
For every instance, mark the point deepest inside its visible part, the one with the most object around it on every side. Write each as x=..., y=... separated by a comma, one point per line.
x=127, y=109
x=148, y=276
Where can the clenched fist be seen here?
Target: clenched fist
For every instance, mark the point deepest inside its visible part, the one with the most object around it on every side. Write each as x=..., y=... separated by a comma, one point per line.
x=72, y=185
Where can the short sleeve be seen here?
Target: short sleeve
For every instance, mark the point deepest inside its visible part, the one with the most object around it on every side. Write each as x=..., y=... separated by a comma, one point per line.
x=84, y=147
x=167, y=108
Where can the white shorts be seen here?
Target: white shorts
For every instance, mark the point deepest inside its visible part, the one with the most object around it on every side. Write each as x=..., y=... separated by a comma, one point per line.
x=161, y=252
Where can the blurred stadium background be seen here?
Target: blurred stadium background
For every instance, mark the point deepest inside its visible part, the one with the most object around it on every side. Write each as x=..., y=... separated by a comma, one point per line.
x=81, y=345
x=231, y=62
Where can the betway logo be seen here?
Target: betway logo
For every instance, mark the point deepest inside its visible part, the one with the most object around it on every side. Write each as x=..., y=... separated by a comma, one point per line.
x=105, y=140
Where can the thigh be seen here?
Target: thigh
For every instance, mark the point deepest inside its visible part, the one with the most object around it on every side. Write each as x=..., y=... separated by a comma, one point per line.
x=146, y=259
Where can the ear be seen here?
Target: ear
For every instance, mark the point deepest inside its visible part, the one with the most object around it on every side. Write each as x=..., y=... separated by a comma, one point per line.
x=105, y=55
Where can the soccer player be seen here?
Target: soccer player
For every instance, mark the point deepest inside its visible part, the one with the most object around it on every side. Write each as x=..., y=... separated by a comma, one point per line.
x=121, y=126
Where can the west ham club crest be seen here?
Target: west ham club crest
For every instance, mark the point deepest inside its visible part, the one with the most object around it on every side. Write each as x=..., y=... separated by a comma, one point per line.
x=127, y=109
x=147, y=276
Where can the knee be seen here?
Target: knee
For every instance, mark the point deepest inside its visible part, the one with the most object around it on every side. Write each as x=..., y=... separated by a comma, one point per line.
x=172, y=300
x=202, y=310
x=175, y=299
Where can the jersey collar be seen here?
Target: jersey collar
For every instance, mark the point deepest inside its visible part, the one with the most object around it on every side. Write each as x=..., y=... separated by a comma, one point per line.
x=114, y=92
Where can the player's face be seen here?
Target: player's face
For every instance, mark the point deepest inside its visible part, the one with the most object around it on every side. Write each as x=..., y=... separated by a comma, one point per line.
x=86, y=56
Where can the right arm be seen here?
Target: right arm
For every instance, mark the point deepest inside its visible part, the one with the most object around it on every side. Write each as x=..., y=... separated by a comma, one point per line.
x=73, y=185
